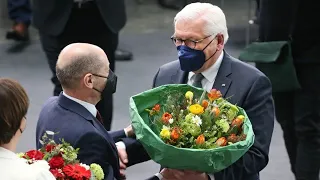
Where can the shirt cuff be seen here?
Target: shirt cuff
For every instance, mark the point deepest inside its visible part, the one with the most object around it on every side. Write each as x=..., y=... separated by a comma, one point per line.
x=121, y=145
x=159, y=176
x=211, y=176
x=125, y=132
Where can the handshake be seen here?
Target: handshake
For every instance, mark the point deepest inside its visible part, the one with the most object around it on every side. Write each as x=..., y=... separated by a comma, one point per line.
x=166, y=173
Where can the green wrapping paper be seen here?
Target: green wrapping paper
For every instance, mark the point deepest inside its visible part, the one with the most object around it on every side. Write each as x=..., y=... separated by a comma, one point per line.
x=203, y=160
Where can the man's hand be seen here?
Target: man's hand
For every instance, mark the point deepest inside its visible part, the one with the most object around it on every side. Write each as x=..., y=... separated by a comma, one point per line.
x=129, y=131
x=173, y=174
x=123, y=160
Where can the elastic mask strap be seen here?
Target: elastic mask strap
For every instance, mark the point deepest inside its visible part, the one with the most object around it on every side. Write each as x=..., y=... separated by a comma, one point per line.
x=97, y=90
x=208, y=44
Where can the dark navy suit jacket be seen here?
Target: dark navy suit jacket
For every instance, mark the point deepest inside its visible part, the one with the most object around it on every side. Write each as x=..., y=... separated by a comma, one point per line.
x=248, y=88
x=77, y=126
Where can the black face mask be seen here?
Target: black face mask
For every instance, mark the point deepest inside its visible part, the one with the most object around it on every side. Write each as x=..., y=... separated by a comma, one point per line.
x=111, y=84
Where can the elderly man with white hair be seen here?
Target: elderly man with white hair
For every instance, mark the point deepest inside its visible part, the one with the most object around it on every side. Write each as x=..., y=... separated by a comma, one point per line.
x=200, y=35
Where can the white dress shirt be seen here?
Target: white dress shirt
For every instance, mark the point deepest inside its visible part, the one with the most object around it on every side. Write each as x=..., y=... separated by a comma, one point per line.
x=209, y=74
x=14, y=168
x=207, y=82
x=93, y=110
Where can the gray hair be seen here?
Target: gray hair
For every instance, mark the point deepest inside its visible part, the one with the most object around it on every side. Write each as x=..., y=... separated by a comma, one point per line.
x=70, y=74
x=213, y=16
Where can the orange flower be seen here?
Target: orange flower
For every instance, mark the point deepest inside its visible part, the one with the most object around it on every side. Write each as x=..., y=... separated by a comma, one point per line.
x=214, y=94
x=216, y=111
x=156, y=107
x=205, y=104
x=175, y=134
x=222, y=141
x=200, y=139
x=237, y=122
x=165, y=117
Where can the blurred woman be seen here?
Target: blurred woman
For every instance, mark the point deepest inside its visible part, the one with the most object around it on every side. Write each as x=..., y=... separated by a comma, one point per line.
x=14, y=105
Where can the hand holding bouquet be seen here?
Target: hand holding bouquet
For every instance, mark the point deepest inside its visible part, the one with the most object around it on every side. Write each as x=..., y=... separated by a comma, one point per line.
x=183, y=127
x=61, y=160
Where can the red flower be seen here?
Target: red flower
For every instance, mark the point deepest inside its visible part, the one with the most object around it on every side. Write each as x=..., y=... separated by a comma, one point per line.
x=56, y=162
x=76, y=172
x=57, y=173
x=49, y=147
x=35, y=154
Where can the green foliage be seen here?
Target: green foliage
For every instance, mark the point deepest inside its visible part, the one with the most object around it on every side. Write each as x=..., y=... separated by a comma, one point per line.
x=191, y=125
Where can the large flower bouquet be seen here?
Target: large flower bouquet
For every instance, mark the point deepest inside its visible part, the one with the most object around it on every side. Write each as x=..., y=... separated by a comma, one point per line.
x=207, y=122
x=62, y=160
x=184, y=127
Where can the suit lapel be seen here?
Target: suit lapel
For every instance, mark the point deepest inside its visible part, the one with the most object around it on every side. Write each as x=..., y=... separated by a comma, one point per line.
x=223, y=82
x=82, y=111
x=180, y=77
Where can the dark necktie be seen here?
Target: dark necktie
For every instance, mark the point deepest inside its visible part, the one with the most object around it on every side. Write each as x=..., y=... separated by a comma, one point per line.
x=197, y=80
x=99, y=117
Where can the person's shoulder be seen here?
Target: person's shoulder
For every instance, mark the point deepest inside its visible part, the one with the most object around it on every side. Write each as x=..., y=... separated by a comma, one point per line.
x=19, y=169
x=173, y=65
x=245, y=71
x=50, y=102
x=44, y=174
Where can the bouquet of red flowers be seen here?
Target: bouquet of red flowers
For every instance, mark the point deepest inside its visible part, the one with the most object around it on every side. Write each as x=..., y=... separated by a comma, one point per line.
x=62, y=160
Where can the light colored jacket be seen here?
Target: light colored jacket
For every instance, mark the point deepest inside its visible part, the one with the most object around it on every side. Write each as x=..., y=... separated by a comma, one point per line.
x=14, y=168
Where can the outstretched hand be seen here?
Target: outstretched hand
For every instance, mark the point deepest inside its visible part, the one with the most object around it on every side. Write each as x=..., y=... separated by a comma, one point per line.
x=123, y=160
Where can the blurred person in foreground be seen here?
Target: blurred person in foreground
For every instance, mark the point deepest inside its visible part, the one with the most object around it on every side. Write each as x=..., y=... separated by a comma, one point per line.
x=200, y=36
x=13, y=109
x=20, y=13
x=83, y=70
x=62, y=22
x=298, y=112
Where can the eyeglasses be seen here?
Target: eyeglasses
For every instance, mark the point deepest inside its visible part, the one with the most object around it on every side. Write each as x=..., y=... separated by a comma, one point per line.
x=188, y=42
x=111, y=74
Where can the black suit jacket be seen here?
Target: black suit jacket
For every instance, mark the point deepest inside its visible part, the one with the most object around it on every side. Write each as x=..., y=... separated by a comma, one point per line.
x=249, y=89
x=51, y=16
x=77, y=126
x=278, y=16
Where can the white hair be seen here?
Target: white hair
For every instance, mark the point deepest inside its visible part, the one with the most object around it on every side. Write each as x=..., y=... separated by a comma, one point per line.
x=215, y=20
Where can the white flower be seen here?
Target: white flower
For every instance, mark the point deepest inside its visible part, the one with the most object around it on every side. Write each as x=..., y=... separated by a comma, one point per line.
x=197, y=120
x=50, y=132
x=170, y=120
x=165, y=127
x=85, y=166
x=40, y=164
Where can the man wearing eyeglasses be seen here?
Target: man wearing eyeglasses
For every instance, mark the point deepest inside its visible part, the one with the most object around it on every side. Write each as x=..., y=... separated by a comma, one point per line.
x=200, y=35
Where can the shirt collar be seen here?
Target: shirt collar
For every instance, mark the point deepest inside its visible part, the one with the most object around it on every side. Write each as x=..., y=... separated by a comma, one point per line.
x=211, y=73
x=90, y=107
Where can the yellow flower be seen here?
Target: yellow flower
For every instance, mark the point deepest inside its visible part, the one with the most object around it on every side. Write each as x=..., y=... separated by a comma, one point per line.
x=196, y=109
x=20, y=155
x=189, y=95
x=165, y=133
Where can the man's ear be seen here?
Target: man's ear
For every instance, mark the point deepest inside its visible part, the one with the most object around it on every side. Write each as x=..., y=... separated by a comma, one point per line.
x=88, y=80
x=220, y=43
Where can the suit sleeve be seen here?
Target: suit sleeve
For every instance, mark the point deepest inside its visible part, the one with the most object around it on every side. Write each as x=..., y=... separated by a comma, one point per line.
x=136, y=152
x=117, y=135
x=93, y=150
x=260, y=110
x=154, y=83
